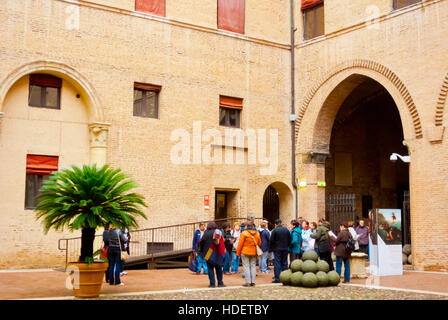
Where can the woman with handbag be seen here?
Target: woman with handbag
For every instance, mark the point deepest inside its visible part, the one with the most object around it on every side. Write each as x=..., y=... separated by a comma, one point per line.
x=249, y=250
x=211, y=247
x=116, y=237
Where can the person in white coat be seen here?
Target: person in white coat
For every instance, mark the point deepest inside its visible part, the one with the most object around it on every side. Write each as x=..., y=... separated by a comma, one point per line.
x=355, y=236
x=307, y=241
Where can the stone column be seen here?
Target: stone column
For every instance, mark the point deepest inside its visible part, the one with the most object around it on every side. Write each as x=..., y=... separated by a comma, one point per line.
x=312, y=197
x=98, y=143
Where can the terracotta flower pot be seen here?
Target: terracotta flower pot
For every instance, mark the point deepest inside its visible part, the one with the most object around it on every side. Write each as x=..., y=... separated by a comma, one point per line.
x=87, y=284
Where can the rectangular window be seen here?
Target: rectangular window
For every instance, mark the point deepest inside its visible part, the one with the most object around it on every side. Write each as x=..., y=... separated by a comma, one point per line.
x=38, y=169
x=398, y=4
x=231, y=15
x=157, y=7
x=146, y=100
x=44, y=91
x=230, y=111
x=313, y=21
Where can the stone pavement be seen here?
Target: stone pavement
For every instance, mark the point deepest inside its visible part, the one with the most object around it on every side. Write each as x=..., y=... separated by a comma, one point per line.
x=51, y=284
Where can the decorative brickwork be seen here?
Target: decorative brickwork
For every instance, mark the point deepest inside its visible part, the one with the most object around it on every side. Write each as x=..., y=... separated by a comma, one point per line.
x=370, y=65
x=441, y=101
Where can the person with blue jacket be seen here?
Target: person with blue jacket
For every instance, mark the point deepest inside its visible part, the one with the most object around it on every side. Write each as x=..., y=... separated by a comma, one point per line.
x=116, y=237
x=265, y=237
x=296, y=241
x=202, y=264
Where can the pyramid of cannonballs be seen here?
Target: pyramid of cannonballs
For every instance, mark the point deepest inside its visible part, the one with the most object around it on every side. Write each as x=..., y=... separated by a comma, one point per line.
x=309, y=272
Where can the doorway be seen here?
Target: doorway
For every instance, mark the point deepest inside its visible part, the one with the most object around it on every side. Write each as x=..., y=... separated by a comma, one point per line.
x=220, y=205
x=367, y=129
x=271, y=205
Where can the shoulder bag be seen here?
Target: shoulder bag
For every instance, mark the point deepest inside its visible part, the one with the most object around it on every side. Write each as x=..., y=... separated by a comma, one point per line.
x=259, y=251
x=124, y=254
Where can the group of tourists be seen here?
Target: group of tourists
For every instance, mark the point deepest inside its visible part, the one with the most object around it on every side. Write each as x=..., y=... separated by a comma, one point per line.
x=115, y=241
x=219, y=250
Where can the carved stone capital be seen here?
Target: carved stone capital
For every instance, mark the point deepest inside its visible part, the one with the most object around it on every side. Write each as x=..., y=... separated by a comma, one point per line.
x=315, y=157
x=98, y=134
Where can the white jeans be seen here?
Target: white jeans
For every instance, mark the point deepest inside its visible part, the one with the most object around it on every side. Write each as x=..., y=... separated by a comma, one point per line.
x=249, y=267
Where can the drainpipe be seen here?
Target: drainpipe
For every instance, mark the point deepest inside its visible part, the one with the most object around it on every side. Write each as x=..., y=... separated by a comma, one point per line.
x=293, y=111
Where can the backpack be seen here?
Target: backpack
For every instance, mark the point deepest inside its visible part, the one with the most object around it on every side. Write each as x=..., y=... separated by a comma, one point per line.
x=350, y=245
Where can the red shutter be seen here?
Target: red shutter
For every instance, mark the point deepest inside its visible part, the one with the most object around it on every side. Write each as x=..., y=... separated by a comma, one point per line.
x=146, y=86
x=42, y=165
x=308, y=4
x=152, y=6
x=45, y=80
x=231, y=15
x=230, y=103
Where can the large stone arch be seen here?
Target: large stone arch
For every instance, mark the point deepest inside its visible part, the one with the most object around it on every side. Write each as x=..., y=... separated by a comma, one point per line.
x=312, y=136
x=97, y=127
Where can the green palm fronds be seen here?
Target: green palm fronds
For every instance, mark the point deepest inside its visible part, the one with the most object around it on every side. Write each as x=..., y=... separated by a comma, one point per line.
x=88, y=198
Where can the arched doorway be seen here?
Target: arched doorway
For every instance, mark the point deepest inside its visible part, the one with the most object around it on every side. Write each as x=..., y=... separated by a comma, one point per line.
x=277, y=203
x=271, y=205
x=359, y=175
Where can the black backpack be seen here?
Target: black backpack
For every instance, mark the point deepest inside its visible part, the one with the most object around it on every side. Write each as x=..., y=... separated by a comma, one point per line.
x=350, y=245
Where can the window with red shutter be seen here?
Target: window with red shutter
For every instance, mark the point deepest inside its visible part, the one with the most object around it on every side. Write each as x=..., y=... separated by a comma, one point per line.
x=38, y=169
x=313, y=19
x=230, y=111
x=398, y=4
x=308, y=4
x=157, y=7
x=231, y=15
x=146, y=100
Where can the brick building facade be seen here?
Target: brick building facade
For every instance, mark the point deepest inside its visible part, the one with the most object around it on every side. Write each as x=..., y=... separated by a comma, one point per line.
x=207, y=68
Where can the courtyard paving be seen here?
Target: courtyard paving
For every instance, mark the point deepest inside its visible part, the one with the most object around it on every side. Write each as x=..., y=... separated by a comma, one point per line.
x=280, y=292
x=183, y=284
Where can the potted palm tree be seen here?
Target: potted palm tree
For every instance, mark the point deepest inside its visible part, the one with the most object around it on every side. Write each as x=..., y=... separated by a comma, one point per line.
x=84, y=199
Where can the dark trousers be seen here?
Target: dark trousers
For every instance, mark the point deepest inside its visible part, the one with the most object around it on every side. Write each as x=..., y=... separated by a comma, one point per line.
x=364, y=248
x=280, y=263
x=293, y=256
x=212, y=269
x=339, y=261
x=114, y=255
x=326, y=256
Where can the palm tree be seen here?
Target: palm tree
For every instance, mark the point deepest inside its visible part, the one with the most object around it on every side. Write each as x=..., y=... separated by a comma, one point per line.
x=88, y=198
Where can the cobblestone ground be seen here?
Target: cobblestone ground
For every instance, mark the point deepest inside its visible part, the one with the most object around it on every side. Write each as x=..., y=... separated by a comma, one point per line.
x=279, y=292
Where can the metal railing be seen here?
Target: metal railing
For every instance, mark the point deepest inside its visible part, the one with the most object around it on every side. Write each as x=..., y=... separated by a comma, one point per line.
x=150, y=241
